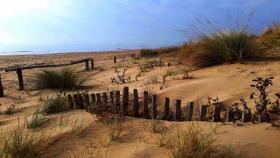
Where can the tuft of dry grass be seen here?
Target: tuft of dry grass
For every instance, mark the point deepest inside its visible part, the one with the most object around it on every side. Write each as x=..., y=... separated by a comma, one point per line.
x=20, y=143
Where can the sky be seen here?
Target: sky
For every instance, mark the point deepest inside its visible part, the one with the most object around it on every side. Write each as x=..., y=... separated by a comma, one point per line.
x=94, y=25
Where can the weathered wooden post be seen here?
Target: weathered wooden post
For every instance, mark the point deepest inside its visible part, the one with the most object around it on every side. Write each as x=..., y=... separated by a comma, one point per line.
x=190, y=107
x=70, y=100
x=76, y=101
x=203, y=112
x=166, y=109
x=154, y=106
x=87, y=64
x=98, y=102
x=93, y=98
x=118, y=102
x=105, y=98
x=177, y=110
x=1, y=88
x=115, y=59
x=86, y=96
x=112, y=101
x=81, y=101
x=245, y=117
x=20, y=79
x=216, y=113
x=146, y=99
x=229, y=115
x=135, y=103
x=92, y=64
x=125, y=100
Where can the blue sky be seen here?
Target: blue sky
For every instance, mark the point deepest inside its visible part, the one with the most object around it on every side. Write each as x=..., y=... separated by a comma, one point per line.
x=79, y=25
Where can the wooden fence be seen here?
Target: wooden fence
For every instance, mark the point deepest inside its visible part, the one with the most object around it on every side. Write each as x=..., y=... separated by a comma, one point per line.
x=146, y=106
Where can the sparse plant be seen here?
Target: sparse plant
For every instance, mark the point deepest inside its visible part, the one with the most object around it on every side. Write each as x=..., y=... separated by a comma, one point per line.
x=261, y=99
x=193, y=142
x=153, y=79
x=19, y=143
x=115, y=129
x=65, y=78
x=156, y=126
x=37, y=120
x=56, y=104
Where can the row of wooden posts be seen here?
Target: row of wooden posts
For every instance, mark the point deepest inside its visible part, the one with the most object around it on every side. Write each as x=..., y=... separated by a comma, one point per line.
x=89, y=65
x=133, y=105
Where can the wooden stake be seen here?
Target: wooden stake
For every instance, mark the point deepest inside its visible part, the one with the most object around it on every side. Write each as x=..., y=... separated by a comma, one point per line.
x=115, y=59
x=125, y=100
x=20, y=79
x=146, y=98
x=203, y=112
x=177, y=110
x=87, y=65
x=167, y=109
x=70, y=100
x=118, y=102
x=190, y=107
x=154, y=106
x=135, y=103
x=1, y=88
x=92, y=64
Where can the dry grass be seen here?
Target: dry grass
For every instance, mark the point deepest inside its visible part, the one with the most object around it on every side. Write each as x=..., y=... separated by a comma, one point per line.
x=20, y=143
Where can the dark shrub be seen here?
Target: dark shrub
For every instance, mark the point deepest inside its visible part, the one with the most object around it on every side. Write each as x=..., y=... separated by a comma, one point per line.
x=56, y=104
x=148, y=53
x=65, y=78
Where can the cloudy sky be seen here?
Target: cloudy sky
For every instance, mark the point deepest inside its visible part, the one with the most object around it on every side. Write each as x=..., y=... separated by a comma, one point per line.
x=78, y=25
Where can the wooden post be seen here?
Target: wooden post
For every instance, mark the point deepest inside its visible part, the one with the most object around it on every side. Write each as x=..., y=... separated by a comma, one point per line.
x=216, y=113
x=70, y=100
x=105, y=98
x=93, y=98
x=112, y=101
x=115, y=59
x=118, y=102
x=146, y=97
x=177, y=110
x=229, y=115
x=81, y=101
x=245, y=117
x=167, y=109
x=190, y=107
x=87, y=64
x=86, y=96
x=92, y=64
x=203, y=112
x=76, y=101
x=135, y=103
x=20, y=79
x=1, y=88
x=125, y=100
x=98, y=101
x=154, y=106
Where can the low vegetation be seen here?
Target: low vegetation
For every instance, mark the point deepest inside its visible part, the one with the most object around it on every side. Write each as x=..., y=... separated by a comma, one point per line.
x=63, y=79
x=37, y=120
x=56, y=104
x=19, y=143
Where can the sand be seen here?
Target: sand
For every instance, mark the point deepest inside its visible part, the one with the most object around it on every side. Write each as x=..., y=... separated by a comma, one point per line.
x=229, y=82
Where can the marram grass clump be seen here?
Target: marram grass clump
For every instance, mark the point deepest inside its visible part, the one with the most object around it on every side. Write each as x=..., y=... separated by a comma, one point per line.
x=63, y=79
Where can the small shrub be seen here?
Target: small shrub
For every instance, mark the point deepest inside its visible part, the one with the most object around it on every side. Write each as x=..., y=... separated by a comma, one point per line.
x=156, y=126
x=148, y=53
x=193, y=142
x=115, y=130
x=56, y=104
x=19, y=143
x=62, y=79
x=37, y=120
x=153, y=79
